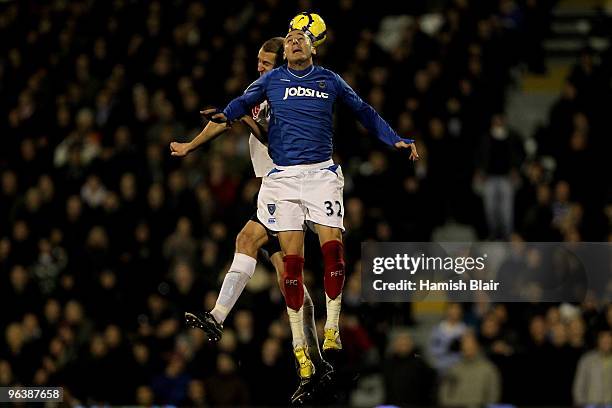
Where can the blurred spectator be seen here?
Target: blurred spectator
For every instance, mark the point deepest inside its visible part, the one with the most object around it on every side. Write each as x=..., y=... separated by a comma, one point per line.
x=444, y=341
x=270, y=382
x=93, y=192
x=226, y=387
x=186, y=292
x=23, y=244
x=493, y=340
x=535, y=363
x=6, y=374
x=106, y=291
x=75, y=318
x=408, y=379
x=92, y=388
x=500, y=156
x=15, y=352
x=196, y=394
x=565, y=360
x=52, y=315
x=471, y=382
x=180, y=245
x=23, y=294
x=139, y=365
x=118, y=355
x=358, y=346
x=8, y=197
x=144, y=396
x=171, y=387
x=594, y=374
x=50, y=263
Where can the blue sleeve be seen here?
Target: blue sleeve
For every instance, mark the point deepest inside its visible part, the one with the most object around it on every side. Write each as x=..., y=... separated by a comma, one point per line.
x=366, y=115
x=252, y=96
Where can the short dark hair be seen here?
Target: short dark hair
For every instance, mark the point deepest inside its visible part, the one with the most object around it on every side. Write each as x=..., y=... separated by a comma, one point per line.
x=275, y=45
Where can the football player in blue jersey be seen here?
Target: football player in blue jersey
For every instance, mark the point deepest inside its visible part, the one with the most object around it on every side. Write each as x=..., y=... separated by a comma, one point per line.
x=305, y=186
x=254, y=236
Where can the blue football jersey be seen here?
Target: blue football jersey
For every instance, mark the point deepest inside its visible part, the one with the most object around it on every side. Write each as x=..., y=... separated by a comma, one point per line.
x=301, y=119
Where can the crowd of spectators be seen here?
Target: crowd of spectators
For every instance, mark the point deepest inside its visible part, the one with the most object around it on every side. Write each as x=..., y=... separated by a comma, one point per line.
x=105, y=239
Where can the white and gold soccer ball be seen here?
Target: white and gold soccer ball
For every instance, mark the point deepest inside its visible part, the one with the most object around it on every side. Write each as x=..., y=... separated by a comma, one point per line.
x=312, y=24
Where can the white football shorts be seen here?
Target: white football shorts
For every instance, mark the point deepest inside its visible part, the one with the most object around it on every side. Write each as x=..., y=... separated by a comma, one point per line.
x=291, y=196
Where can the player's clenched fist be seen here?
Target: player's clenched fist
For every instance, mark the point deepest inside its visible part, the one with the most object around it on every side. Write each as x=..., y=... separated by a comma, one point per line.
x=179, y=149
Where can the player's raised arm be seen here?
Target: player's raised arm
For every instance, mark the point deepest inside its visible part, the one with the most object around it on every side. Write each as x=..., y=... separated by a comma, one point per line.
x=371, y=120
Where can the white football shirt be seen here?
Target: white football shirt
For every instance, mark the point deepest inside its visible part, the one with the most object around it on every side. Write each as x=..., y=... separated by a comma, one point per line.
x=262, y=163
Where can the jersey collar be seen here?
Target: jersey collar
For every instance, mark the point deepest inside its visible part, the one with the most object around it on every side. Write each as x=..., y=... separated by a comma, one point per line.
x=301, y=73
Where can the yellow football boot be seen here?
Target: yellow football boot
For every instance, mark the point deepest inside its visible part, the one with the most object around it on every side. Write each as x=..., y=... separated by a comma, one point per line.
x=332, y=340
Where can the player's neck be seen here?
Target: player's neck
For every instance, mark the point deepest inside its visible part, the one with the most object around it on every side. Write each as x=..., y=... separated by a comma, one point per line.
x=300, y=65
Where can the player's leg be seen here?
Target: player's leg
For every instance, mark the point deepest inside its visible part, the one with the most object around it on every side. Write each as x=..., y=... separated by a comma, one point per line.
x=332, y=249
x=310, y=329
x=252, y=236
x=248, y=242
x=324, y=372
x=292, y=284
x=279, y=209
x=323, y=199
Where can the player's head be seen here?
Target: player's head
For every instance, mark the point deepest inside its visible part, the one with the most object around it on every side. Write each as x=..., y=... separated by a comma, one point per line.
x=298, y=47
x=270, y=55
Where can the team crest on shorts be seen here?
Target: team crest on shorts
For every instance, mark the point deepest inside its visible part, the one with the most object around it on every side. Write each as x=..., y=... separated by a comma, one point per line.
x=271, y=208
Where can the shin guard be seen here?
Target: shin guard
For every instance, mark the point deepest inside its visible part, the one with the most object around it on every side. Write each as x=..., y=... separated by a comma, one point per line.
x=333, y=259
x=293, y=281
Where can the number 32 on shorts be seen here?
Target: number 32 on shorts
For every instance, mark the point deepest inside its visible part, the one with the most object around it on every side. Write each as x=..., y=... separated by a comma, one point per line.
x=329, y=207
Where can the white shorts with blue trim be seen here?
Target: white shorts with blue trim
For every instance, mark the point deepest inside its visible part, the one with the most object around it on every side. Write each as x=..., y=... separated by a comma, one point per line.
x=291, y=196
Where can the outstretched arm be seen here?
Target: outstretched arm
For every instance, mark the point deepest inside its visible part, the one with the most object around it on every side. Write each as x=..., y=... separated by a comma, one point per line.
x=210, y=131
x=371, y=120
x=214, y=129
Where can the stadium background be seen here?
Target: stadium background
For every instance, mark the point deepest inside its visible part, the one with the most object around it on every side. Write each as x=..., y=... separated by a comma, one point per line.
x=105, y=239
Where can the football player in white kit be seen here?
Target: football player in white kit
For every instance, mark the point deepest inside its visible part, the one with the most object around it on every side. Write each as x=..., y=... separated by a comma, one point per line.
x=254, y=235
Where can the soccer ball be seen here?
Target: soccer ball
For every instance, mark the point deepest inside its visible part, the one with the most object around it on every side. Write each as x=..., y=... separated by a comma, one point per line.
x=312, y=24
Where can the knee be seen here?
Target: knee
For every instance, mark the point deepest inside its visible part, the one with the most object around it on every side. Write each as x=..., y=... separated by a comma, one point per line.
x=336, y=234
x=329, y=234
x=291, y=241
x=246, y=243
